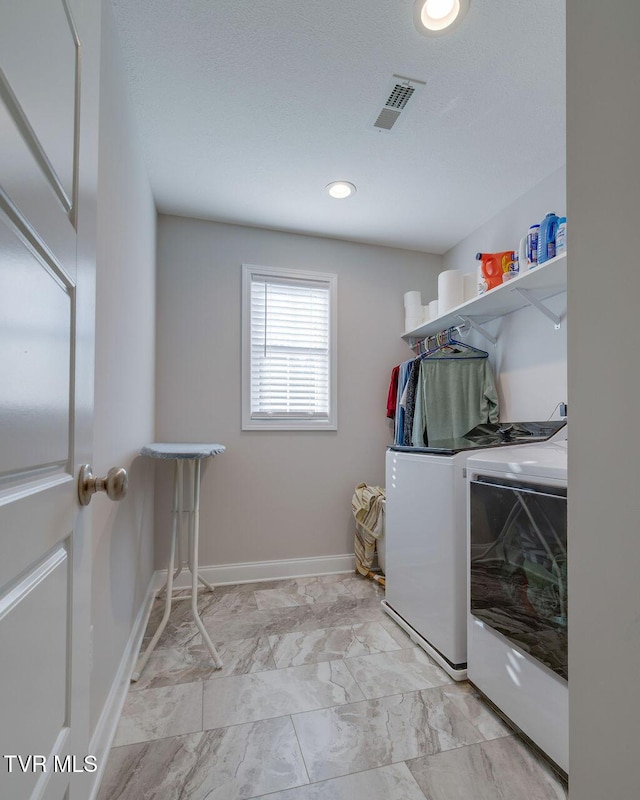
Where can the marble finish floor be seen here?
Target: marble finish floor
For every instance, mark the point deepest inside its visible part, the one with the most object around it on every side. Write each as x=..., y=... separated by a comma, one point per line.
x=322, y=697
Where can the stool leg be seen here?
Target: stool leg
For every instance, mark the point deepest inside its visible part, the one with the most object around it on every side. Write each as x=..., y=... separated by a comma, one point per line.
x=169, y=585
x=177, y=506
x=180, y=480
x=206, y=584
x=209, y=587
x=193, y=560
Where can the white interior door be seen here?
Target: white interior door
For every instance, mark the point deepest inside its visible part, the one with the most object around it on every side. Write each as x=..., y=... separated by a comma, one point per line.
x=48, y=89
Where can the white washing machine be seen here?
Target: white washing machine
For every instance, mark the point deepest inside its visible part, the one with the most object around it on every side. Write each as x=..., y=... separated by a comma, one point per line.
x=426, y=553
x=517, y=586
x=425, y=534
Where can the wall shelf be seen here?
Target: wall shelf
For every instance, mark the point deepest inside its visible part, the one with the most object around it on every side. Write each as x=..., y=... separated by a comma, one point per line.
x=531, y=288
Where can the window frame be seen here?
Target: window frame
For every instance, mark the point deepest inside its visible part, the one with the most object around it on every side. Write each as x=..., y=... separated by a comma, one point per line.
x=292, y=423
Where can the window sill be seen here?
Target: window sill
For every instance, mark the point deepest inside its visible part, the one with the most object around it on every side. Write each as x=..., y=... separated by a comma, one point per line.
x=289, y=425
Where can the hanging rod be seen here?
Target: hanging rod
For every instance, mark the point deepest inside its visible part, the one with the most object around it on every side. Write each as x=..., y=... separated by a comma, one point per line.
x=419, y=344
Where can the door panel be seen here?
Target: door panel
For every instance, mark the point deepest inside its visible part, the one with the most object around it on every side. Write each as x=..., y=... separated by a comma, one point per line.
x=36, y=517
x=35, y=353
x=46, y=356
x=27, y=193
x=39, y=61
x=33, y=617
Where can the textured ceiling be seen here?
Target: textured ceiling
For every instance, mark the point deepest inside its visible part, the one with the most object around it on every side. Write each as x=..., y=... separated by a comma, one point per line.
x=248, y=108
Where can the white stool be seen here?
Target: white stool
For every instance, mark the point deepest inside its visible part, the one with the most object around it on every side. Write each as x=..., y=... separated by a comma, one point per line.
x=193, y=454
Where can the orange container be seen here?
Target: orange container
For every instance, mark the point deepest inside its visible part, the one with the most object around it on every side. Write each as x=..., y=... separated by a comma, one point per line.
x=494, y=265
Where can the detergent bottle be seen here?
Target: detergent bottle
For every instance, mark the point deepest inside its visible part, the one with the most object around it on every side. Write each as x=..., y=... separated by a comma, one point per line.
x=492, y=268
x=532, y=245
x=561, y=236
x=547, y=238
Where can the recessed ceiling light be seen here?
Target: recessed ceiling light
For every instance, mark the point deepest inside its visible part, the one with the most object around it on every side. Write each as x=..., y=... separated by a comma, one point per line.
x=435, y=17
x=340, y=189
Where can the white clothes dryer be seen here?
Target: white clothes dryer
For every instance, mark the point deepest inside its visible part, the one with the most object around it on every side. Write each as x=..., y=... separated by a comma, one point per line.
x=517, y=585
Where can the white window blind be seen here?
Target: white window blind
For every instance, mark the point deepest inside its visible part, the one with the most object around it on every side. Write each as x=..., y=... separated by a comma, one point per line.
x=290, y=349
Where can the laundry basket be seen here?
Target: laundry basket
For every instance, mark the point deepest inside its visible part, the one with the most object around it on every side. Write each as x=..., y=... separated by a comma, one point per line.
x=368, y=506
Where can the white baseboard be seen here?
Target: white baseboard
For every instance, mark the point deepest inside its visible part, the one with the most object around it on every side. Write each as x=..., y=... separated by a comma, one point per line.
x=107, y=724
x=251, y=571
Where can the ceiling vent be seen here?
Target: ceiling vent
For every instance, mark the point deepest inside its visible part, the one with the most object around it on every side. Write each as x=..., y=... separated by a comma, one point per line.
x=398, y=95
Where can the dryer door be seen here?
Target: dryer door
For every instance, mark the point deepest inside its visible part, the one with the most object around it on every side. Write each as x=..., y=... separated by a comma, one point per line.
x=518, y=565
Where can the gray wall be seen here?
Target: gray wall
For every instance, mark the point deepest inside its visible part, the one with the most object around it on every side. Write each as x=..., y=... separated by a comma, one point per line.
x=530, y=356
x=125, y=366
x=603, y=181
x=275, y=495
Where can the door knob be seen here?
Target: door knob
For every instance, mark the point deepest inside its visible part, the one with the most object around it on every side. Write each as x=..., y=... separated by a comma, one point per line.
x=115, y=484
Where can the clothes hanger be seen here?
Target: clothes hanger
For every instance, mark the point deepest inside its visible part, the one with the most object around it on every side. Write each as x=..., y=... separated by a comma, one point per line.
x=445, y=340
x=467, y=347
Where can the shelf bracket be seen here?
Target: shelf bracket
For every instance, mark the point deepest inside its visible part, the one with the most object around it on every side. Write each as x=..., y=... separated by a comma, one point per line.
x=468, y=321
x=533, y=301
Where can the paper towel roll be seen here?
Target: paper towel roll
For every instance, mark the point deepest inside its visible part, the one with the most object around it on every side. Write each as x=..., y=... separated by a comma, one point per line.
x=433, y=309
x=412, y=300
x=425, y=314
x=450, y=290
x=412, y=319
x=470, y=285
